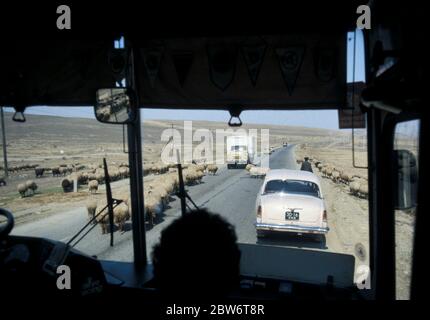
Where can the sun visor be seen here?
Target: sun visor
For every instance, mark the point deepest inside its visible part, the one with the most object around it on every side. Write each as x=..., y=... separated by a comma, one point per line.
x=267, y=72
x=57, y=73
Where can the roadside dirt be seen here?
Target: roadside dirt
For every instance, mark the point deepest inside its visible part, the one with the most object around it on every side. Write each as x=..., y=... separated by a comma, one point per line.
x=348, y=215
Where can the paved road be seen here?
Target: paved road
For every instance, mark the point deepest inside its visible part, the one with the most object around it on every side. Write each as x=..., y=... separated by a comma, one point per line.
x=231, y=193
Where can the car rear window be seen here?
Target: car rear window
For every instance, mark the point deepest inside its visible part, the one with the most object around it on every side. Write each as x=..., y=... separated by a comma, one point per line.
x=292, y=186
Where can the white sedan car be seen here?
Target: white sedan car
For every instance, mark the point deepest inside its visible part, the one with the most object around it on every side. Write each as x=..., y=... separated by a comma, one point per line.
x=291, y=201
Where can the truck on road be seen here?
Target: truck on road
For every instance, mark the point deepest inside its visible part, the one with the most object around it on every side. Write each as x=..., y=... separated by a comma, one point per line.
x=240, y=150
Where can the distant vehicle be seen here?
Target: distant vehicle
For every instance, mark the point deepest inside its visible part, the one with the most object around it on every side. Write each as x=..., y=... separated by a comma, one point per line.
x=240, y=151
x=291, y=201
x=285, y=144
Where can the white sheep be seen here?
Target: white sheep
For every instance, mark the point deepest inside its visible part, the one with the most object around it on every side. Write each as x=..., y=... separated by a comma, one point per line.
x=91, y=209
x=335, y=176
x=212, y=169
x=31, y=185
x=363, y=190
x=153, y=207
x=258, y=172
x=22, y=189
x=249, y=166
x=120, y=215
x=93, y=186
x=354, y=187
x=345, y=177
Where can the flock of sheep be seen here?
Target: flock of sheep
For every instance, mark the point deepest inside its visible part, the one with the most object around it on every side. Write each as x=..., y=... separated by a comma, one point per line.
x=94, y=176
x=157, y=195
x=19, y=168
x=358, y=185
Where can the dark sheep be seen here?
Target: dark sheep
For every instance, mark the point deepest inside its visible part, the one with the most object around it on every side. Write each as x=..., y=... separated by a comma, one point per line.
x=39, y=172
x=56, y=172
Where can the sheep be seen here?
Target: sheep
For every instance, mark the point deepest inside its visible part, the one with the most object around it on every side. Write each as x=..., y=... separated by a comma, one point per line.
x=192, y=177
x=100, y=177
x=79, y=167
x=22, y=189
x=329, y=172
x=62, y=171
x=56, y=172
x=345, y=177
x=174, y=180
x=335, y=175
x=258, y=172
x=39, y=172
x=125, y=197
x=199, y=167
x=212, y=169
x=249, y=166
x=120, y=215
x=67, y=184
x=160, y=193
x=124, y=172
x=114, y=174
x=168, y=183
x=91, y=209
x=363, y=190
x=91, y=176
x=158, y=169
x=93, y=186
x=354, y=187
x=103, y=218
x=153, y=207
x=83, y=177
x=31, y=185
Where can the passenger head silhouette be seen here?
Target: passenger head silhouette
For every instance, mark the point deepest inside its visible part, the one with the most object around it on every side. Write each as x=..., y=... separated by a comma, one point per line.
x=197, y=257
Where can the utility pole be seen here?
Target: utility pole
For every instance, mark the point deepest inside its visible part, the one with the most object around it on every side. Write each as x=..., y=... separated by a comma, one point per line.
x=3, y=129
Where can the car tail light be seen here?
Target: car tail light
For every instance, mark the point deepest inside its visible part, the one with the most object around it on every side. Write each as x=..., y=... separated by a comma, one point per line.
x=325, y=216
x=259, y=212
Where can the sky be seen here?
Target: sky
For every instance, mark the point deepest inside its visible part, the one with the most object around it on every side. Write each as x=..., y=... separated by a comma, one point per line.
x=326, y=119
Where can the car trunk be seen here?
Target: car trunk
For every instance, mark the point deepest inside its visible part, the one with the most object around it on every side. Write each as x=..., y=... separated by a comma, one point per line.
x=276, y=205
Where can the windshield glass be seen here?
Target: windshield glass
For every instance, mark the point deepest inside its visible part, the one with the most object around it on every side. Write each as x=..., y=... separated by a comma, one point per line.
x=53, y=150
x=292, y=186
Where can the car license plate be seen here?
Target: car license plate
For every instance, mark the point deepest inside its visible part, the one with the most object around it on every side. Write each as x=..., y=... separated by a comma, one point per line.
x=291, y=215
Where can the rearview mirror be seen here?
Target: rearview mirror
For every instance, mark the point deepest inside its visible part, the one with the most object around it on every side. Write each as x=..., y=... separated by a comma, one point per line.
x=114, y=105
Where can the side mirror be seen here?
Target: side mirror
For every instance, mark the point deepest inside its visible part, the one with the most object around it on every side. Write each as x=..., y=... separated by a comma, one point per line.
x=406, y=182
x=114, y=105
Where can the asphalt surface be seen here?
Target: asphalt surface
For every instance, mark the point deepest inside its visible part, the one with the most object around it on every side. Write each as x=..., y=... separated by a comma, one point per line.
x=230, y=193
